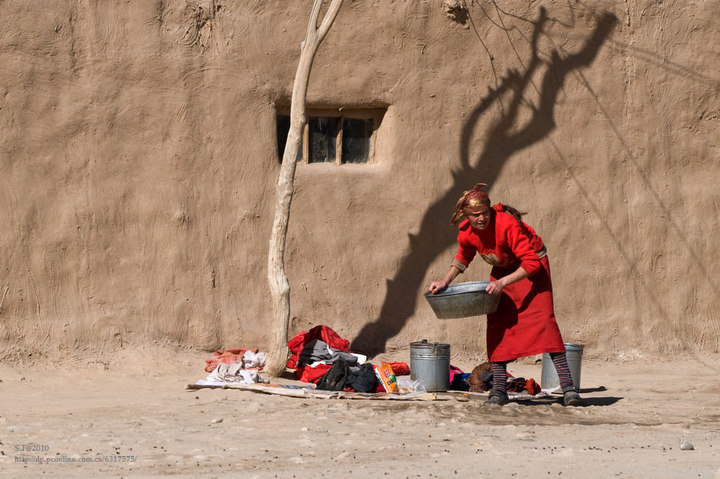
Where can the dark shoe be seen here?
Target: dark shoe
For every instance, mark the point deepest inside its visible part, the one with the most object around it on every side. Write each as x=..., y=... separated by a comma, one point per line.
x=570, y=397
x=497, y=397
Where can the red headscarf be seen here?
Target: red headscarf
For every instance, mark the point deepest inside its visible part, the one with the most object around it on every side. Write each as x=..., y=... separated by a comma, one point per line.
x=470, y=202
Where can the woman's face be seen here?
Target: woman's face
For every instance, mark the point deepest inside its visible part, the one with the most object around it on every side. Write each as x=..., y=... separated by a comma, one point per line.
x=481, y=217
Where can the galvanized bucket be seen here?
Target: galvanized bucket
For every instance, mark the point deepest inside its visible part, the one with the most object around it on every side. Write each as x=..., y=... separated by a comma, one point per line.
x=430, y=364
x=550, y=379
x=463, y=300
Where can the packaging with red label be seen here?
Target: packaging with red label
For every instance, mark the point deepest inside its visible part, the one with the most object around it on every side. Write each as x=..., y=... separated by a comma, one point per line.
x=385, y=374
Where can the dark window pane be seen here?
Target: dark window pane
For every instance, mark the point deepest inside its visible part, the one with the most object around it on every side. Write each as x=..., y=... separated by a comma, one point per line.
x=356, y=140
x=323, y=135
x=283, y=128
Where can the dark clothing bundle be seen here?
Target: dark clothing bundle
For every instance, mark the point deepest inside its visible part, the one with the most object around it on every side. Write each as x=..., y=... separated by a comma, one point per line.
x=321, y=356
x=340, y=377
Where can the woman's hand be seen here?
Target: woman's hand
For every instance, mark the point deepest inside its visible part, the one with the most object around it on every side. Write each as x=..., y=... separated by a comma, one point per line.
x=437, y=286
x=495, y=287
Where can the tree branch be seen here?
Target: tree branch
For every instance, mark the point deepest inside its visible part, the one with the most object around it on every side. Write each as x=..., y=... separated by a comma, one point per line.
x=277, y=279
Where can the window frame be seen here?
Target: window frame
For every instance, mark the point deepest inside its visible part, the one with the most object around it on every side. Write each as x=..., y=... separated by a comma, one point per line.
x=373, y=115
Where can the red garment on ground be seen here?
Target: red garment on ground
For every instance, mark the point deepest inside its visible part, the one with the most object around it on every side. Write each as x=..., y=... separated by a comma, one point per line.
x=524, y=323
x=400, y=368
x=532, y=387
x=296, y=345
x=521, y=384
x=323, y=333
x=228, y=356
x=312, y=375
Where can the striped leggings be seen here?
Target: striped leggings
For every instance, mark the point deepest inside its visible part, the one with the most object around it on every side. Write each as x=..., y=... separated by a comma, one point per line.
x=499, y=370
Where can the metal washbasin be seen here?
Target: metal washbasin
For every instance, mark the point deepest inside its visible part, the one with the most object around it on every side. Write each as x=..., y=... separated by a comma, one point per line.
x=463, y=300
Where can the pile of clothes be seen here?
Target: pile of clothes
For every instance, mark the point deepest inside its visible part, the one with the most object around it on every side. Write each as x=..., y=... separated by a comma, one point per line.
x=241, y=366
x=322, y=357
x=318, y=356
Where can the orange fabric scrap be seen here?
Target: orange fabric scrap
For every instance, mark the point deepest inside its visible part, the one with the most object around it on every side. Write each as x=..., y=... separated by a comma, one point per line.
x=228, y=356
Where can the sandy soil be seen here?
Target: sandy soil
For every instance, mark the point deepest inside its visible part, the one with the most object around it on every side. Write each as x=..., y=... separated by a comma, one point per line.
x=133, y=417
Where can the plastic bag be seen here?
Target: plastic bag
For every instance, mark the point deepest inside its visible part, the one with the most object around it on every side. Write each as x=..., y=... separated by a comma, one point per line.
x=407, y=385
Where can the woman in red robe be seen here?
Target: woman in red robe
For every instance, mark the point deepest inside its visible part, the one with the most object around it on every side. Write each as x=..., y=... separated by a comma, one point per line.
x=524, y=323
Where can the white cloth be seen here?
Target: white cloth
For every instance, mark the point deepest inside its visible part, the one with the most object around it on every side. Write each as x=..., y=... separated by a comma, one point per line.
x=244, y=371
x=254, y=360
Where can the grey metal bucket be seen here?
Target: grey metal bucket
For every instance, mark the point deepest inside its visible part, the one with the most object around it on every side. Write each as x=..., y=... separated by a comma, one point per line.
x=430, y=364
x=550, y=379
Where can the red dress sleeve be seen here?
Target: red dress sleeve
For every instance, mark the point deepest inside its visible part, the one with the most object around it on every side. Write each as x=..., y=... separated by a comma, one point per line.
x=466, y=250
x=524, y=245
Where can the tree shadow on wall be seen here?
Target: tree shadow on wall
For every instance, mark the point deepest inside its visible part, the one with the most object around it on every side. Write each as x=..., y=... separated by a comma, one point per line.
x=503, y=140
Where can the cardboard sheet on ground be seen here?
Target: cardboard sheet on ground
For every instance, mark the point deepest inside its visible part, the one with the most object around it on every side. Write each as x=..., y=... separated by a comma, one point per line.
x=307, y=391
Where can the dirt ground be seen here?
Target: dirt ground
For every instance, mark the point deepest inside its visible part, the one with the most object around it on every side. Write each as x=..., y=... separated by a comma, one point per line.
x=132, y=416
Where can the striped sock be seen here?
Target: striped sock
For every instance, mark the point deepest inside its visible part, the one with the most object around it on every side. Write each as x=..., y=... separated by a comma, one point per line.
x=499, y=371
x=563, y=370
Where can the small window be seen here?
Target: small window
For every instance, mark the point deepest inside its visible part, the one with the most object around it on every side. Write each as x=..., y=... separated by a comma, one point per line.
x=337, y=138
x=356, y=140
x=322, y=138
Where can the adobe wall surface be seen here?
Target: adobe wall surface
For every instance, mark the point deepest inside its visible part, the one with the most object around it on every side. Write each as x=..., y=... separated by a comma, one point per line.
x=139, y=161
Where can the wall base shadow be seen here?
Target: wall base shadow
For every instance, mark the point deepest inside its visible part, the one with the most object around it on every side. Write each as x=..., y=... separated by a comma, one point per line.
x=584, y=402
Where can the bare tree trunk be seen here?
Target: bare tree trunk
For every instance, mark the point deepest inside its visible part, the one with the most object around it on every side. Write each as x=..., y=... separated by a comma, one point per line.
x=279, y=285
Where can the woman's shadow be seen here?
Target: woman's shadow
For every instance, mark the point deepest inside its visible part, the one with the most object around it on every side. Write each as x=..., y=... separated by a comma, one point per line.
x=503, y=139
